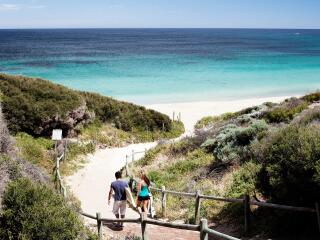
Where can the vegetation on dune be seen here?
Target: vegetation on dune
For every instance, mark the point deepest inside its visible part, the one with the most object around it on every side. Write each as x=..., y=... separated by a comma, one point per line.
x=36, y=106
x=29, y=207
x=31, y=104
x=126, y=116
x=270, y=152
x=34, y=211
x=290, y=160
x=285, y=112
x=33, y=107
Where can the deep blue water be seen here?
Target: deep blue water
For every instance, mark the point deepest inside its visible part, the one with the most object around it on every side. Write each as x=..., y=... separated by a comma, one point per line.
x=168, y=65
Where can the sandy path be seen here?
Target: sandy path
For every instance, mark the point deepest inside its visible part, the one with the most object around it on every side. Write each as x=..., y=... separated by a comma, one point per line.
x=91, y=183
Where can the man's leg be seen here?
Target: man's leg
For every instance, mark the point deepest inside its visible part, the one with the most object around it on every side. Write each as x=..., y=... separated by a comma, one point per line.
x=116, y=208
x=122, y=217
x=123, y=208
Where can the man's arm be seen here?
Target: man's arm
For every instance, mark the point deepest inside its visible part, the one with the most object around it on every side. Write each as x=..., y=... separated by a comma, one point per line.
x=110, y=195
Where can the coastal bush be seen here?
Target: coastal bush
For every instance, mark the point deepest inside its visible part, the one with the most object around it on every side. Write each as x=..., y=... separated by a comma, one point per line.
x=177, y=128
x=285, y=112
x=232, y=142
x=149, y=156
x=210, y=120
x=172, y=174
x=28, y=103
x=36, y=106
x=309, y=116
x=33, y=211
x=5, y=138
x=312, y=97
x=244, y=180
x=290, y=159
x=207, y=121
x=34, y=150
x=124, y=115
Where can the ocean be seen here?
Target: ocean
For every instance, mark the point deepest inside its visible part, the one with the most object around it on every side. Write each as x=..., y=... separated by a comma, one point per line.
x=150, y=66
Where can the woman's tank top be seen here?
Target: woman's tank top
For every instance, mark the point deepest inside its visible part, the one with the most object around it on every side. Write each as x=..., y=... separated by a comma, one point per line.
x=144, y=191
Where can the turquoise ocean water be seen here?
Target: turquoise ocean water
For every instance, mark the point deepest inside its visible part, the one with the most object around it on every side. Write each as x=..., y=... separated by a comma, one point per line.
x=168, y=65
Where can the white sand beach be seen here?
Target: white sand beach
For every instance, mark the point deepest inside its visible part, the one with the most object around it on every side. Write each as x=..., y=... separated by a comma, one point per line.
x=191, y=112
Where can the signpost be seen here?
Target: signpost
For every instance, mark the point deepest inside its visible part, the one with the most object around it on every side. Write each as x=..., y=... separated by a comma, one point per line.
x=56, y=136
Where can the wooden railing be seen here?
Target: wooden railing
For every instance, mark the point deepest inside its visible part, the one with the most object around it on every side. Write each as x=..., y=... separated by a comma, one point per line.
x=200, y=225
x=202, y=228
x=58, y=179
x=245, y=201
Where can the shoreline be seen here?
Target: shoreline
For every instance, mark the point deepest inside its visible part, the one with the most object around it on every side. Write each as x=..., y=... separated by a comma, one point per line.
x=191, y=112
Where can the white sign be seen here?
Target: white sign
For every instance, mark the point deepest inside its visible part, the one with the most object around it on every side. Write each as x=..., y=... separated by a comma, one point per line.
x=56, y=134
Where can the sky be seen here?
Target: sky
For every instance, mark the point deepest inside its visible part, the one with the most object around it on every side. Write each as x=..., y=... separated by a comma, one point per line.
x=159, y=13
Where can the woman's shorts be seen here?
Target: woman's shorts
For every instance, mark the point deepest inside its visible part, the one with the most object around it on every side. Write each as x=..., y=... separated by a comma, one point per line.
x=143, y=198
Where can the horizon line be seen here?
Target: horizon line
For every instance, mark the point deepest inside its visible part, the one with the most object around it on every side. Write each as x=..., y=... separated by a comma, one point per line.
x=75, y=28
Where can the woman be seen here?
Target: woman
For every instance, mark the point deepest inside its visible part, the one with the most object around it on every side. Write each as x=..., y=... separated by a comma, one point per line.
x=143, y=194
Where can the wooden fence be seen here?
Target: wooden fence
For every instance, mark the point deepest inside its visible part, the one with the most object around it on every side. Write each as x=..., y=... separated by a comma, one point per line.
x=203, y=228
x=245, y=201
x=58, y=180
x=200, y=225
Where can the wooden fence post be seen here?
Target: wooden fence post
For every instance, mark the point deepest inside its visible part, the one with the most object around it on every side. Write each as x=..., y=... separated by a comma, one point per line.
x=127, y=166
x=132, y=155
x=144, y=227
x=173, y=116
x=99, y=224
x=203, y=226
x=246, y=202
x=164, y=201
x=318, y=214
x=197, y=209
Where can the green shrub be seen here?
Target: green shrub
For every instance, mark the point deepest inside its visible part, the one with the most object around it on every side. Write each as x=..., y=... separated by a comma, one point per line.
x=207, y=121
x=149, y=156
x=210, y=120
x=36, y=106
x=244, y=180
x=124, y=115
x=232, y=142
x=33, y=211
x=284, y=113
x=34, y=149
x=313, y=97
x=29, y=102
x=290, y=160
x=172, y=174
x=308, y=116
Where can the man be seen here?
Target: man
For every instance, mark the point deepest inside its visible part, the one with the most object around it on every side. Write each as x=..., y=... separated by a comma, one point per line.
x=118, y=187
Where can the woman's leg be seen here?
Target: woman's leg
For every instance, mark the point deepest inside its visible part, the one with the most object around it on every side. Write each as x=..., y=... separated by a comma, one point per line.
x=139, y=206
x=145, y=207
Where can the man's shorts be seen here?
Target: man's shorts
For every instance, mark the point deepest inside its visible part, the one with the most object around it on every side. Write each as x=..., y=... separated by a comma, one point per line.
x=119, y=206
